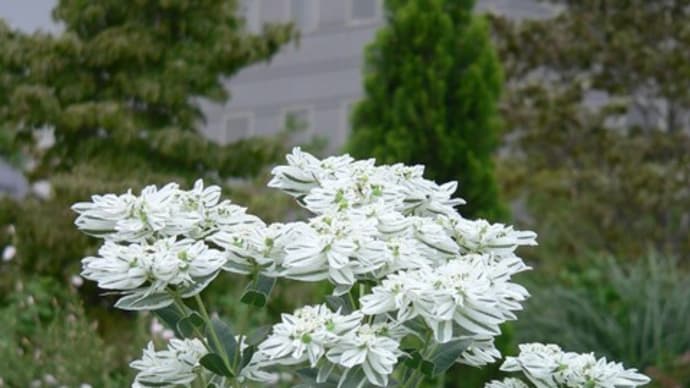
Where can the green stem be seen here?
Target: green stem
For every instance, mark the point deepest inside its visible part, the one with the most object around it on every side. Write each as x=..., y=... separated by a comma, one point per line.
x=214, y=336
x=352, y=300
x=177, y=302
x=236, y=358
x=203, y=379
x=414, y=379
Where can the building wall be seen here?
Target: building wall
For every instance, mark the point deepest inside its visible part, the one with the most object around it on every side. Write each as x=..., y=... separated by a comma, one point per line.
x=317, y=78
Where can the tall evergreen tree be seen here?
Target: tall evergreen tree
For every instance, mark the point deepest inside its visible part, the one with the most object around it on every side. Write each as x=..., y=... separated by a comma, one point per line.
x=120, y=89
x=432, y=81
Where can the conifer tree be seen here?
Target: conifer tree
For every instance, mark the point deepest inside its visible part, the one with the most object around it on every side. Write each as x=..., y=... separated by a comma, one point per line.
x=432, y=81
x=120, y=89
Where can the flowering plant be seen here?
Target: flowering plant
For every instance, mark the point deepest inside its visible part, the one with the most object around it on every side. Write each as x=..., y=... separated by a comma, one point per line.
x=416, y=287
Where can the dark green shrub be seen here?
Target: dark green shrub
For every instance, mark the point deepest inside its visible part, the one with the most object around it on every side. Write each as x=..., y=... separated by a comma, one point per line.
x=432, y=81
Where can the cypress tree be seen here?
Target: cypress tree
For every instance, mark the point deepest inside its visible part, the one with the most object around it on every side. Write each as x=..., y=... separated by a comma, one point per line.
x=432, y=80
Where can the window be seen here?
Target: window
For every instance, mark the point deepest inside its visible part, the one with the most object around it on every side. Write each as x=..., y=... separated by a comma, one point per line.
x=238, y=126
x=250, y=10
x=297, y=119
x=363, y=11
x=305, y=14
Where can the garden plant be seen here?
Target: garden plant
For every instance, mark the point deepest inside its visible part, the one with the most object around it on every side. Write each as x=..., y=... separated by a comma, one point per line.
x=416, y=287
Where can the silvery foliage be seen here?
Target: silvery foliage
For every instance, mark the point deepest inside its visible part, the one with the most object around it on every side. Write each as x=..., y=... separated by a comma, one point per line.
x=402, y=261
x=547, y=366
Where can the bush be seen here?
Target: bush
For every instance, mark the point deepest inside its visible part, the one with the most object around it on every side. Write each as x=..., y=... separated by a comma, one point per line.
x=637, y=314
x=47, y=340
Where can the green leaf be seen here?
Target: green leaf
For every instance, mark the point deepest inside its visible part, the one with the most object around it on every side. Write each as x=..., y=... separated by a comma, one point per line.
x=247, y=355
x=411, y=342
x=414, y=360
x=138, y=301
x=341, y=303
x=417, y=326
x=257, y=335
x=198, y=285
x=170, y=315
x=215, y=364
x=187, y=325
x=445, y=356
x=353, y=378
x=226, y=337
x=257, y=292
x=153, y=384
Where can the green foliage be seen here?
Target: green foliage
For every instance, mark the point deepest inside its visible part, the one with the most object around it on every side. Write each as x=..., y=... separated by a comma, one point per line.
x=120, y=88
x=46, y=337
x=125, y=78
x=610, y=176
x=432, y=81
x=637, y=314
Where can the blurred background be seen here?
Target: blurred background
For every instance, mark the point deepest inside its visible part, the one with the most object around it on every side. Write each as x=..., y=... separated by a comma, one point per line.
x=567, y=117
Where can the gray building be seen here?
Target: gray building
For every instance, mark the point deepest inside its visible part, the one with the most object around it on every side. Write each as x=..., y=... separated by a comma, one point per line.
x=317, y=81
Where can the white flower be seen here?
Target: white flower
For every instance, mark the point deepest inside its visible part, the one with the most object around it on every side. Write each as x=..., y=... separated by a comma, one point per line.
x=402, y=292
x=371, y=347
x=8, y=253
x=461, y=292
x=480, y=236
x=403, y=253
x=254, y=247
x=481, y=351
x=304, y=172
x=547, y=366
x=164, y=212
x=537, y=361
x=166, y=262
x=176, y=365
x=126, y=217
x=338, y=183
x=179, y=263
x=149, y=213
x=76, y=281
x=99, y=217
x=337, y=247
x=118, y=267
x=506, y=383
x=306, y=334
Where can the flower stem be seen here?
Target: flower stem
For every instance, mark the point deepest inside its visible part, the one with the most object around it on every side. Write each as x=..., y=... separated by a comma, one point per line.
x=352, y=300
x=214, y=336
x=181, y=307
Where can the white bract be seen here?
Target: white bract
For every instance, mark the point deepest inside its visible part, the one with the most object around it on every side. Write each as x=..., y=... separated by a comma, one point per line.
x=166, y=262
x=306, y=335
x=547, y=366
x=174, y=366
x=405, y=268
x=507, y=383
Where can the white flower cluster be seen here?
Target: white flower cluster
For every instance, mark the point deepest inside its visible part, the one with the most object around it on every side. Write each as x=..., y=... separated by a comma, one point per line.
x=156, y=241
x=390, y=225
x=327, y=339
x=157, y=213
x=403, y=262
x=177, y=365
x=547, y=366
x=463, y=297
